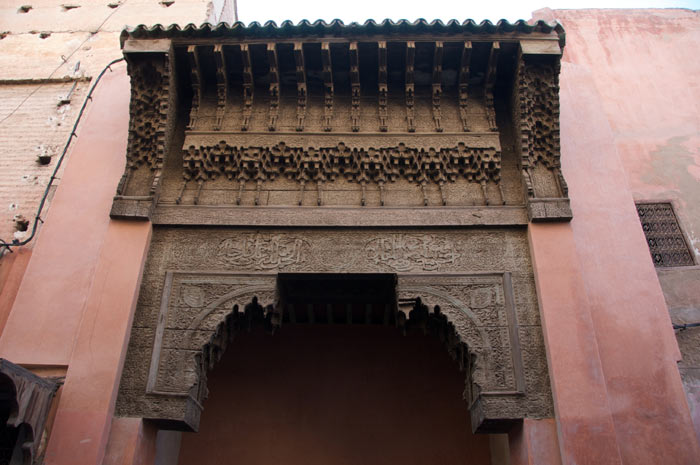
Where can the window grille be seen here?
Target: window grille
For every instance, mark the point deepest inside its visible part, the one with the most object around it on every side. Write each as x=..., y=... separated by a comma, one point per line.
x=664, y=236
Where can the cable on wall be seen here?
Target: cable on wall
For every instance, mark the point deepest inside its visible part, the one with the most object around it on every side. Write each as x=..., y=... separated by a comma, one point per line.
x=4, y=245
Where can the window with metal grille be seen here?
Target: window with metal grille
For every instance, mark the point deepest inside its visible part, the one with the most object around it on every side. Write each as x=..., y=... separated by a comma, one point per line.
x=664, y=236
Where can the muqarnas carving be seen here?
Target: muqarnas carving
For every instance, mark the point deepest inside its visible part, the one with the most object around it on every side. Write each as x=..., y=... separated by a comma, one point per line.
x=362, y=166
x=536, y=113
x=150, y=131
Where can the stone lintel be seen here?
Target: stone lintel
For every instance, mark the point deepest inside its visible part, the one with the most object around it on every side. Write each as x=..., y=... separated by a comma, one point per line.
x=539, y=47
x=541, y=210
x=338, y=217
x=487, y=417
x=132, y=208
x=147, y=46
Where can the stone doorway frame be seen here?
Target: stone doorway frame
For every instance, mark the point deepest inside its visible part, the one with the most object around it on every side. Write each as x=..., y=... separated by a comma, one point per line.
x=191, y=337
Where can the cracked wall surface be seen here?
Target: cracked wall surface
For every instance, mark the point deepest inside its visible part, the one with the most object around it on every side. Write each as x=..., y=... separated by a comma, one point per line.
x=45, y=51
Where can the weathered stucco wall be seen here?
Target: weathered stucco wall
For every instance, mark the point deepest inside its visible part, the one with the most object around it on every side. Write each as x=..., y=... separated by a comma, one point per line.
x=644, y=66
x=45, y=51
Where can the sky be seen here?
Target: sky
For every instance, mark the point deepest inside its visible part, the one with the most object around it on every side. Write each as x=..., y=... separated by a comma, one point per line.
x=360, y=10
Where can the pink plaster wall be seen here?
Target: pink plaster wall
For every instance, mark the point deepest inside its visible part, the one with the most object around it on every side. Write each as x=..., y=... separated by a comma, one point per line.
x=534, y=442
x=644, y=67
x=75, y=303
x=634, y=392
x=50, y=302
x=132, y=442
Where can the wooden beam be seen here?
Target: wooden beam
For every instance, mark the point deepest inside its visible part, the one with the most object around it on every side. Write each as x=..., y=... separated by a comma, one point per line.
x=464, y=84
x=437, y=85
x=383, y=90
x=410, y=86
x=196, y=78
x=301, y=85
x=247, y=86
x=490, y=83
x=327, y=86
x=221, y=85
x=274, y=86
x=355, y=86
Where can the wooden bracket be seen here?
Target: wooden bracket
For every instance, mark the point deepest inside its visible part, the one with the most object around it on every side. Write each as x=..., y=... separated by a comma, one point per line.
x=355, y=86
x=327, y=86
x=196, y=77
x=274, y=86
x=437, y=85
x=301, y=85
x=464, y=84
x=247, y=87
x=410, y=86
x=221, y=85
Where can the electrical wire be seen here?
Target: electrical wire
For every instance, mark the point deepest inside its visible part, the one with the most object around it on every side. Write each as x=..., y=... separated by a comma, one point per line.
x=65, y=60
x=17, y=243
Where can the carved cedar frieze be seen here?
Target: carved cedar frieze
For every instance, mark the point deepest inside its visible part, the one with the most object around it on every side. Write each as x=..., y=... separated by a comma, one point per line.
x=326, y=164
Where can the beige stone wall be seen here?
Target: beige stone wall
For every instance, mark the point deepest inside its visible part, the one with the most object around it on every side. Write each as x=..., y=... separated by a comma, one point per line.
x=41, y=49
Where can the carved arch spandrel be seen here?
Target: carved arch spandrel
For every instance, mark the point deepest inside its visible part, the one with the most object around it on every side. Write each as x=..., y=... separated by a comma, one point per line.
x=201, y=313
x=466, y=325
x=183, y=327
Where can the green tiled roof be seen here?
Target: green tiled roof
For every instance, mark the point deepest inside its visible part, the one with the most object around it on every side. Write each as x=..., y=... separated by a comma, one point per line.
x=337, y=28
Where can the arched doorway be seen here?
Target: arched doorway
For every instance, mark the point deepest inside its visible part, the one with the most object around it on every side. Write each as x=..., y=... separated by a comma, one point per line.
x=341, y=382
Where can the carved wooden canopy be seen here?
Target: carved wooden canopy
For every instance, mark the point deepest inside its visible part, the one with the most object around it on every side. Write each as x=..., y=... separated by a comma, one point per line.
x=402, y=115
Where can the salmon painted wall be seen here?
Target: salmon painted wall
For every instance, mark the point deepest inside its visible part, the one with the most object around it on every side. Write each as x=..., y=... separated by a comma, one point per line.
x=323, y=394
x=73, y=308
x=603, y=310
x=644, y=65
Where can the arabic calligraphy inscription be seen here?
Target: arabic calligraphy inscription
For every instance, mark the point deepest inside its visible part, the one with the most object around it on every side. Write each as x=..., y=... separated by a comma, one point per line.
x=406, y=252
x=264, y=251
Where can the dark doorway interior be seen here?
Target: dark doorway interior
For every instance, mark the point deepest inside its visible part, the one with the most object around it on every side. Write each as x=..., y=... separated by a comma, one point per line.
x=347, y=389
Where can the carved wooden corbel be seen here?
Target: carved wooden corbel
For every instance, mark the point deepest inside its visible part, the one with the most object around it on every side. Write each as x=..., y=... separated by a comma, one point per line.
x=251, y=168
x=327, y=86
x=383, y=90
x=437, y=86
x=151, y=124
x=536, y=121
x=312, y=167
x=274, y=86
x=221, y=85
x=355, y=86
x=247, y=87
x=490, y=83
x=196, y=77
x=410, y=86
x=464, y=84
x=301, y=85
